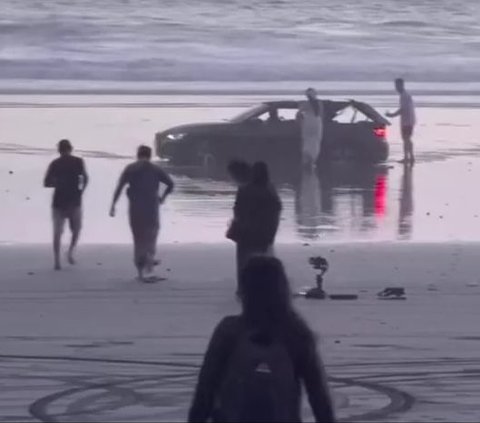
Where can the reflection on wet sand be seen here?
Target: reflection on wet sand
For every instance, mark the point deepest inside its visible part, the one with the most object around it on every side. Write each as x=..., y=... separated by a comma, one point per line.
x=311, y=210
x=340, y=198
x=405, y=222
x=338, y=201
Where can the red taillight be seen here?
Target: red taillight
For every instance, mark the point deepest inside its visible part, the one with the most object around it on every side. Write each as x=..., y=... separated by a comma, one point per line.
x=380, y=132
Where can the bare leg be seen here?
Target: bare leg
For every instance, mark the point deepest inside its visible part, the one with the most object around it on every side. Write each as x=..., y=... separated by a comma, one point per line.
x=407, y=144
x=152, y=245
x=58, y=224
x=56, y=250
x=75, y=227
x=138, y=233
x=410, y=151
x=139, y=256
x=140, y=272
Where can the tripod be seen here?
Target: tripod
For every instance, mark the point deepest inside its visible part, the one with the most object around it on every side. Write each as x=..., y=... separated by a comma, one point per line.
x=320, y=264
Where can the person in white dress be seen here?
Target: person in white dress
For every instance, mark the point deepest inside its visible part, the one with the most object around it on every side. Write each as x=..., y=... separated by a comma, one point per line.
x=310, y=115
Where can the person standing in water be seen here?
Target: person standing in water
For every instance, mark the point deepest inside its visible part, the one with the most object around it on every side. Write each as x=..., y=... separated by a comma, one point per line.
x=310, y=115
x=67, y=175
x=143, y=179
x=408, y=120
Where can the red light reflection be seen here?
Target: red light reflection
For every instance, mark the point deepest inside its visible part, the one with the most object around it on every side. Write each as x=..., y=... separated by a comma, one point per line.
x=381, y=195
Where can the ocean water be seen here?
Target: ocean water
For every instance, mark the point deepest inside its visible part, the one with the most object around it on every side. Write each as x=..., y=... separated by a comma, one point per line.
x=239, y=40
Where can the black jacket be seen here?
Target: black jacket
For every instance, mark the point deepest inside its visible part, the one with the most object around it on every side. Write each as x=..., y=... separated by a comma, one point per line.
x=301, y=346
x=257, y=215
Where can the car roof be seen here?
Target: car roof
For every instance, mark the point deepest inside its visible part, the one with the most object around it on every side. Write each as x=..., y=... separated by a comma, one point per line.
x=365, y=108
x=293, y=104
x=285, y=104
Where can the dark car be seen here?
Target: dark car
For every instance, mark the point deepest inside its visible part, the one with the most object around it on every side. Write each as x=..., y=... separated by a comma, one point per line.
x=270, y=131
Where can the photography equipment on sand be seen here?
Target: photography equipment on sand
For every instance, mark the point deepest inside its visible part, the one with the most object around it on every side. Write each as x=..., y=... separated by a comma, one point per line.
x=320, y=264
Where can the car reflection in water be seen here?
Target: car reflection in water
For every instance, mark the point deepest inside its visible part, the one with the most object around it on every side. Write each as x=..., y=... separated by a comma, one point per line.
x=345, y=199
x=339, y=201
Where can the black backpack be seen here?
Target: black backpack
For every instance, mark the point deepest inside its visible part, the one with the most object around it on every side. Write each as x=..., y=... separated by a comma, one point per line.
x=259, y=384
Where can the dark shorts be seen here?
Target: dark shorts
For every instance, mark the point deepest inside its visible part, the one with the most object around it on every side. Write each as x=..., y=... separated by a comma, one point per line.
x=407, y=132
x=73, y=214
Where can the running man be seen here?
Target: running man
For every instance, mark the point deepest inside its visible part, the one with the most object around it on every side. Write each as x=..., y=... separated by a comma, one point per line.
x=143, y=179
x=67, y=175
x=407, y=120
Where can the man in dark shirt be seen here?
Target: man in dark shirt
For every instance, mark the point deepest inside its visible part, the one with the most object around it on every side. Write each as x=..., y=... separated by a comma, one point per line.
x=143, y=179
x=67, y=175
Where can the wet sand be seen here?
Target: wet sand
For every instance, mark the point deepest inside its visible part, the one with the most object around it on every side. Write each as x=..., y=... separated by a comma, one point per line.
x=434, y=202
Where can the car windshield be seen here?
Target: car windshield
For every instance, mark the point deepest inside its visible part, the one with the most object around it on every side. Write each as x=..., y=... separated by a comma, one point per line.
x=250, y=113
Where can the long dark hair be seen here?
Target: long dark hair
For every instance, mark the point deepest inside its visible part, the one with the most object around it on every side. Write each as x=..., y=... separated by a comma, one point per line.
x=239, y=171
x=260, y=174
x=265, y=295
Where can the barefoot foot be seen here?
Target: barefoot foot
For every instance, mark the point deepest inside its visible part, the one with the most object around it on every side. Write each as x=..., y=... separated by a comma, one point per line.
x=71, y=258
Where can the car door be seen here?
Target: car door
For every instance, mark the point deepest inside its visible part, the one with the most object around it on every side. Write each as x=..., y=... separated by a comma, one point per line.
x=337, y=130
x=246, y=140
x=282, y=136
x=363, y=133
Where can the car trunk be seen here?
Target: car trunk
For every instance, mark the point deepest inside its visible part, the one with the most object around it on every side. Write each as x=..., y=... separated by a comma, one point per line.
x=371, y=113
x=357, y=140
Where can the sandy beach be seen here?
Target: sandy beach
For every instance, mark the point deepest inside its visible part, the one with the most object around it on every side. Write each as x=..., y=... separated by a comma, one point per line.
x=90, y=343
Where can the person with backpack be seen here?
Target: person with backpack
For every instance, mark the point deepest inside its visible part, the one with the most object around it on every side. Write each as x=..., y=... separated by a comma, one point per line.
x=256, y=362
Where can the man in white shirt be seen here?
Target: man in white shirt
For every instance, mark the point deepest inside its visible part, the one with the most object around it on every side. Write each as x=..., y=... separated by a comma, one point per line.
x=407, y=120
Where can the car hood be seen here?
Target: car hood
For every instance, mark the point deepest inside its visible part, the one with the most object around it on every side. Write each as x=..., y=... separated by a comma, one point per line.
x=196, y=128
